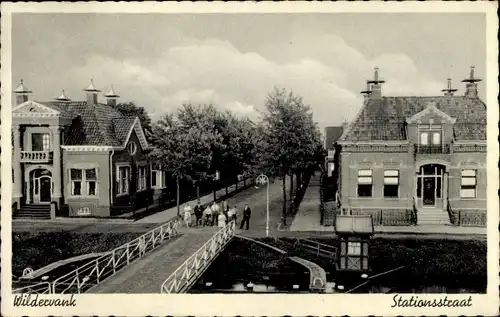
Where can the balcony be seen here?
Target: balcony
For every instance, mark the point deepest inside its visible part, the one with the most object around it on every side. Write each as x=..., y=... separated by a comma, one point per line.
x=36, y=156
x=432, y=149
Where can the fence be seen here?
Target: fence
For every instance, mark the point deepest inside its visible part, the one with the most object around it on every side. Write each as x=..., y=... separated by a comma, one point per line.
x=149, y=206
x=196, y=264
x=394, y=217
x=95, y=271
x=39, y=288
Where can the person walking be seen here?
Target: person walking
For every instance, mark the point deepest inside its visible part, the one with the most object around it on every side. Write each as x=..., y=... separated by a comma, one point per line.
x=215, y=213
x=208, y=215
x=230, y=215
x=222, y=220
x=235, y=214
x=246, y=217
x=187, y=215
x=198, y=212
x=225, y=210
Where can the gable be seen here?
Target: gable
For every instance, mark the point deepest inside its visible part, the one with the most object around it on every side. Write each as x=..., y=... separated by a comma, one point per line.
x=34, y=109
x=139, y=132
x=431, y=114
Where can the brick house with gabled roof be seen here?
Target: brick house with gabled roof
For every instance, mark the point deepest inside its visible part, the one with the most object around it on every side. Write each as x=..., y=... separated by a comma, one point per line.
x=416, y=154
x=83, y=158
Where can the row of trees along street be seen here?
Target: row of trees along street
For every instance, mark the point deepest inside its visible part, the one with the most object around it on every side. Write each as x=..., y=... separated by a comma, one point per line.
x=198, y=142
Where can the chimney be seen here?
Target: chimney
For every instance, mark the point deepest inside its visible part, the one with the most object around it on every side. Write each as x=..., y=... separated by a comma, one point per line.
x=91, y=94
x=62, y=97
x=471, y=84
x=449, y=91
x=112, y=97
x=376, y=85
x=367, y=92
x=22, y=93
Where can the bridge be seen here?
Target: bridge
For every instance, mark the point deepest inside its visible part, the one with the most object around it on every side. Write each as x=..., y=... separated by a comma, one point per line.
x=168, y=258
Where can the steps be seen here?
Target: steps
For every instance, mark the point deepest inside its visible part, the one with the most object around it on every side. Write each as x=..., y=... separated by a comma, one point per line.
x=433, y=216
x=33, y=212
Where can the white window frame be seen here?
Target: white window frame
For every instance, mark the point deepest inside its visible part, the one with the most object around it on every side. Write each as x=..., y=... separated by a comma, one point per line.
x=119, y=178
x=141, y=177
x=46, y=142
x=354, y=248
x=331, y=168
x=439, y=140
x=391, y=177
x=425, y=139
x=331, y=153
x=85, y=183
x=365, y=177
x=159, y=176
x=468, y=179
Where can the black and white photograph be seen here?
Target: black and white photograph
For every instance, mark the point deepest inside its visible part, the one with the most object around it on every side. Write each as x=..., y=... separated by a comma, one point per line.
x=223, y=152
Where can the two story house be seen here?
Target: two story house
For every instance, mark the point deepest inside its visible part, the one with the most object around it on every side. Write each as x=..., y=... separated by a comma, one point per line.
x=421, y=154
x=79, y=158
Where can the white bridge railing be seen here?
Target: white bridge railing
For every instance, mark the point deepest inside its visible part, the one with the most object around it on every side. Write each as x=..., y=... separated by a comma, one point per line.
x=196, y=264
x=40, y=288
x=95, y=271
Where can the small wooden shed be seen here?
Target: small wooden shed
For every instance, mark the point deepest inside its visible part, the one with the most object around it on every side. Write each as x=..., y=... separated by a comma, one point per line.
x=354, y=232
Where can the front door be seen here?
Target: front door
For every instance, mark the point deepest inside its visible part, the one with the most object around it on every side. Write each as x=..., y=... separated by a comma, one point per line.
x=45, y=189
x=429, y=191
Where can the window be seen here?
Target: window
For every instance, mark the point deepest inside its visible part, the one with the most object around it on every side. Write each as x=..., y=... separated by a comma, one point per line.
x=353, y=248
x=391, y=183
x=157, y=177
x=468, y=184
x=331, y=153
x=331, y=168
x=90, y=177
x=40, y=142
x=436, y=138
x=424, y=138
x=76, y=182
x=364, y=183
x=141, y=178
x=123, y=177
x=132, y=148
x=83, y=182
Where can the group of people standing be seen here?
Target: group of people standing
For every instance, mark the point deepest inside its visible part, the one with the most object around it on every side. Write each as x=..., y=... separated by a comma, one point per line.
x=214, y=215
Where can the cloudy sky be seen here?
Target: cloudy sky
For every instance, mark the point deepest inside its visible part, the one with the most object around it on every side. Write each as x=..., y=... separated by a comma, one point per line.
x=233, y=60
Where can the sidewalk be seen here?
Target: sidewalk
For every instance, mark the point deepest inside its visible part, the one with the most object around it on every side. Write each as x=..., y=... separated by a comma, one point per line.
x=308, y=216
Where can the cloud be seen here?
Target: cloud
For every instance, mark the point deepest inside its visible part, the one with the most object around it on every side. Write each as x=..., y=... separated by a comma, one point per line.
x=325, y=71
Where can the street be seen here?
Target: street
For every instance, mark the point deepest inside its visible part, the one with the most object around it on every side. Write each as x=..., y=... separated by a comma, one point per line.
x=254, y=197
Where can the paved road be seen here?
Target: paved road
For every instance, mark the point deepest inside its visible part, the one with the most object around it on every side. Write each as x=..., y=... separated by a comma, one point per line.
x=254, y=197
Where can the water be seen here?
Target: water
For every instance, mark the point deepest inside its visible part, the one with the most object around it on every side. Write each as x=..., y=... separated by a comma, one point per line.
x=244, y=262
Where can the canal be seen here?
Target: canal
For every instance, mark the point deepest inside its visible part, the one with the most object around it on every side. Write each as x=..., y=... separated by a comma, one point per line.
x=396, y=266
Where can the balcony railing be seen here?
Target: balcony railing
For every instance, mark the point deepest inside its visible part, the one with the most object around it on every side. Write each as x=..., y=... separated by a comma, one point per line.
x=432, y=149
x=36, y=156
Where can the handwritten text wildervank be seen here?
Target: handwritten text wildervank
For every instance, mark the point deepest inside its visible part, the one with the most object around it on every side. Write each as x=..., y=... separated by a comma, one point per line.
x=34, y=301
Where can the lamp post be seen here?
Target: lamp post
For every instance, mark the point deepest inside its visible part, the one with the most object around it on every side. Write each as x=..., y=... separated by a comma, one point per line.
x=261, y=180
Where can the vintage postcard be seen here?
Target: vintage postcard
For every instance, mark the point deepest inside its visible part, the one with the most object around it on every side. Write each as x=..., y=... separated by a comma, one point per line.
x=253, y=159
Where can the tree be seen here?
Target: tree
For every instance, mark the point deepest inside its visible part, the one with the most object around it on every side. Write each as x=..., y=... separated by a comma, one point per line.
x=292, y=139
x=130, y=109
x=183, y=145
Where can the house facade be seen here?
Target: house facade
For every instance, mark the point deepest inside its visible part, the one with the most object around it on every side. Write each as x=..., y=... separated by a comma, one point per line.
x=421, y=154
x=79, y=158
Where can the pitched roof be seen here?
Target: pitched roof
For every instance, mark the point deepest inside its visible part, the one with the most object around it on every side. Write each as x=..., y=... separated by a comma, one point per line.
x=384, y=119
x=97, y=125
x=332, y=135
